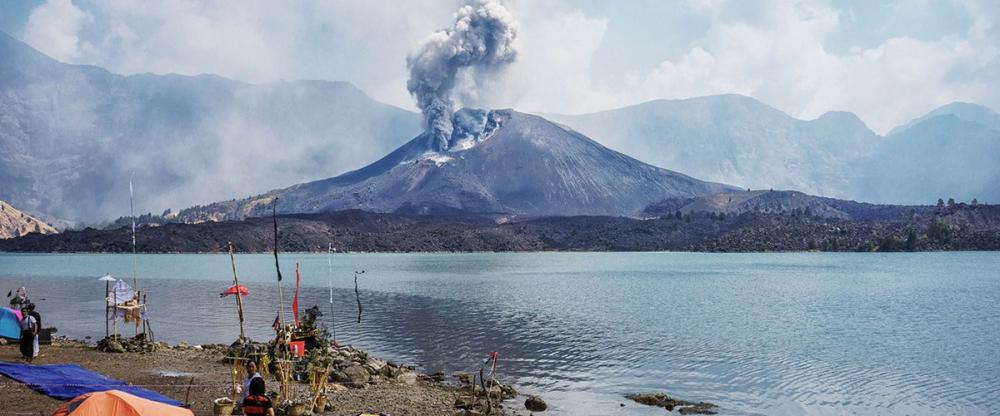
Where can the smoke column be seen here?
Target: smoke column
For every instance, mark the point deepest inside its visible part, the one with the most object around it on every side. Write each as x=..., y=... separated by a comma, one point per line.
x=480, y=40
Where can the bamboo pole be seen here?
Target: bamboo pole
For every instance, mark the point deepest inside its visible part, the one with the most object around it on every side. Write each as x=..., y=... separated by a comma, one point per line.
x=236, y=283
x=115, y=306
x=281, y=306
x=329, y=278
x=107, y=310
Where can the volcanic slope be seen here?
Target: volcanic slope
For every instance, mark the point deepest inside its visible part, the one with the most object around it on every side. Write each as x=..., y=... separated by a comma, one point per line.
x=498, y=161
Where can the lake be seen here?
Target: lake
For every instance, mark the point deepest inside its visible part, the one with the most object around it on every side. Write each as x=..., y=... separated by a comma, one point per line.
x=775, y=334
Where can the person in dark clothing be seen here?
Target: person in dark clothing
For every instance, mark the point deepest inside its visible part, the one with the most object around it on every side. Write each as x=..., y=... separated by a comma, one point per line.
x=257, y=403
x=38, y=317
x=29, y=336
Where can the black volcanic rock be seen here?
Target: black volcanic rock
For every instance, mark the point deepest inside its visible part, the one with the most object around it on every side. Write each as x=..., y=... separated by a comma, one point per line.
x=506, y=162
x=966, y=227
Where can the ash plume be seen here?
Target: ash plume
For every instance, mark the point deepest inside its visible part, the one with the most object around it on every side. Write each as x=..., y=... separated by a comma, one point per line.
x=479, y=42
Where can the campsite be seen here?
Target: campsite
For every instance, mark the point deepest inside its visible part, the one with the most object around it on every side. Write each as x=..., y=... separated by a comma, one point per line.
x=172, y=369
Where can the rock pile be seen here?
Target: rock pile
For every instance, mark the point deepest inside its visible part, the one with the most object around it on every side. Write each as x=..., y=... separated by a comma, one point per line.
x=120, y=344
x=665, y=401
x=473, y=399
x=356, y=368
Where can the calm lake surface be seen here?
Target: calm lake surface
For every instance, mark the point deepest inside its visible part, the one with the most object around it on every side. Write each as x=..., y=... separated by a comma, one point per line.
x=775, y=334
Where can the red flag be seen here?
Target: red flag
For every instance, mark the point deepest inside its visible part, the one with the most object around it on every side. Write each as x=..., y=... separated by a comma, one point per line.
x=232, y=291
x=295, y=299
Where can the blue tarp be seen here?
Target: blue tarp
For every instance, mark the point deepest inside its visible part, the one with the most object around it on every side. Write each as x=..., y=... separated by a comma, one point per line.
x=9, y=326
x=66, y=381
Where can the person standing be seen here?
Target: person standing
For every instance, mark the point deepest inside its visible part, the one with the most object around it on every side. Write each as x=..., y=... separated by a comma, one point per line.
x=251, y=375
x=29, y=335
x=38, y=317
x=257, y=403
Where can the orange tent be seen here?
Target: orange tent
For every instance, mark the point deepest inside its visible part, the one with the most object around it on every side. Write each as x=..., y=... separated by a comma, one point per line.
x=117, y=403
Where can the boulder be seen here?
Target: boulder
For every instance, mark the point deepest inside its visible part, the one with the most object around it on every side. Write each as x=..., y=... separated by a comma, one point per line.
x=535, y=404
x=374, y=365
x=352, y=376
x=463, y=377
x=702, y=408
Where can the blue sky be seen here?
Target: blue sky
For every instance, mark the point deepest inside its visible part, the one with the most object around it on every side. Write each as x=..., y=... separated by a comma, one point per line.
x=888, y=61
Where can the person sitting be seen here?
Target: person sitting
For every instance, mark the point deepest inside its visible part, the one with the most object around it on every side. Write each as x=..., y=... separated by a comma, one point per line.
x=257, y=403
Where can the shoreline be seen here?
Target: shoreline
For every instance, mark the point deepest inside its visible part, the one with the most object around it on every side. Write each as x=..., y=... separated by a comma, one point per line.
x=975, y=228
x=172, y=369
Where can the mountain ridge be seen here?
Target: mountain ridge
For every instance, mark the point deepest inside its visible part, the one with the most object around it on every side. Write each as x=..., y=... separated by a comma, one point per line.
x=72, y=135
x=14, y=223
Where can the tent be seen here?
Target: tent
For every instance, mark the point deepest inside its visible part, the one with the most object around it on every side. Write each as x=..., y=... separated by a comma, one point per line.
x=117, y=403
x=10, y=323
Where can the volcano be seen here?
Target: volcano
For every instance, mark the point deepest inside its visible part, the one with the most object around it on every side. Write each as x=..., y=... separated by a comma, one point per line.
x=498, y=161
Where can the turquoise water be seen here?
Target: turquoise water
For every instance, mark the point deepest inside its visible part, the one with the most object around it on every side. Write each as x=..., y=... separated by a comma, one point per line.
x=776, y=334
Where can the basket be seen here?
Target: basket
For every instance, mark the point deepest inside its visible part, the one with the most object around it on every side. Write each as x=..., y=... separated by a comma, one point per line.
x=296, y=409
x=223, y=406
x=320, y=404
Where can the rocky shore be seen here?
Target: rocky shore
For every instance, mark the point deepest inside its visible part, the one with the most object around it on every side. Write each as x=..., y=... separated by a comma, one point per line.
x=199, y=374
x=959, y=227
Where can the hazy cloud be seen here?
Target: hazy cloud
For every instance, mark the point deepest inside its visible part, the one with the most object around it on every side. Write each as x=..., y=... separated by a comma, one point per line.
x=887, y=62
x=53, y=28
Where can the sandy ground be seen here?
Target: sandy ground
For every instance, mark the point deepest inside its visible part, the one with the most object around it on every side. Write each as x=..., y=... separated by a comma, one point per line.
x=169, y=371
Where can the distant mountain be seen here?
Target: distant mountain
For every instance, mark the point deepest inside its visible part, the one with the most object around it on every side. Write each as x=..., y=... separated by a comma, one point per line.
x=71, y=135
x=964, y=111
x=943, y=156
x=500, y=162
x=739, y=140
x=14, y=223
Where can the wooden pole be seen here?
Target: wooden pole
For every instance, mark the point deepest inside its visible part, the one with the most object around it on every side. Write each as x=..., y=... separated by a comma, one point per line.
x=107, y=310
x=357, y=295
x=274, y=216
x=329, y=278
x=236, y=283
x=115, y=312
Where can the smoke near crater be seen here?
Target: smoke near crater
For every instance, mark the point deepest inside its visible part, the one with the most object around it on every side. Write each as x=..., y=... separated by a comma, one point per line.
x=479, y=42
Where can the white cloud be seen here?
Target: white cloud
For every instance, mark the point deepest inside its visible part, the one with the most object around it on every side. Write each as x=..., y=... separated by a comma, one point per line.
x=53, y=29
x=778, y=56
x=775, y=51
x=552, y=71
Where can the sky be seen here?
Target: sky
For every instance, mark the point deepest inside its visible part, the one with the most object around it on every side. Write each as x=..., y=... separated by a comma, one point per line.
x=888, y=61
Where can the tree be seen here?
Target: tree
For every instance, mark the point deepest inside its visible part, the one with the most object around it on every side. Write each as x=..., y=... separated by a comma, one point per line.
x=975, y=202
x=940, y=203
x=889, y=243
x=939, y=231
x=911, y=240
x=951, y=202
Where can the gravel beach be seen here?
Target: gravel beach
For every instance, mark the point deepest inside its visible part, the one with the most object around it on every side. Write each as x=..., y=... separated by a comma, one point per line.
x=170, y=370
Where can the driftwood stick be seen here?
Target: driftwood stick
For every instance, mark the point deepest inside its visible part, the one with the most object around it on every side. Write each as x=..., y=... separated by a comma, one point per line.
x=357, y=294
x=187, y=396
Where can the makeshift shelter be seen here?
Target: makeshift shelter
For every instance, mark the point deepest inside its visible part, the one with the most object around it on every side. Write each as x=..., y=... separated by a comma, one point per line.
x=67, y=381
x=117, y=403
x=10, y=326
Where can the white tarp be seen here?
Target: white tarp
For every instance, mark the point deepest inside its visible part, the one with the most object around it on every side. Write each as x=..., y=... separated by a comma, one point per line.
x=121, y=293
